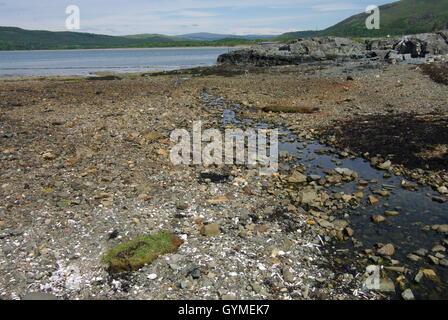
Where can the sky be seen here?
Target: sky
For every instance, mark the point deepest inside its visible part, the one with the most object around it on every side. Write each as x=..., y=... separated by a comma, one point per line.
x=175, y=17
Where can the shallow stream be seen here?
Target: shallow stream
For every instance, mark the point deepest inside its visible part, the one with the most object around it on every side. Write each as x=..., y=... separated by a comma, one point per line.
x=416, y=208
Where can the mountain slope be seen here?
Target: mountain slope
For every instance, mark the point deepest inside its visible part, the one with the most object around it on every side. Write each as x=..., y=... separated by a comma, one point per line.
x=398, y=18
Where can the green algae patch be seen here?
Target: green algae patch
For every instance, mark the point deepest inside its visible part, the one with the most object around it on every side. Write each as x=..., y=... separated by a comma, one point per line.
x=134, y=254
x=291, y=109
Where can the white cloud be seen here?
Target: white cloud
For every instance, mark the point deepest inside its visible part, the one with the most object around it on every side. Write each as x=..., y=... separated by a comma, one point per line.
x=337, y=7
x=194, y=14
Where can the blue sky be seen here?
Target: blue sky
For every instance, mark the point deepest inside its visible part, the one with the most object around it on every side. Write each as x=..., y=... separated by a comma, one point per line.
x=120, y=17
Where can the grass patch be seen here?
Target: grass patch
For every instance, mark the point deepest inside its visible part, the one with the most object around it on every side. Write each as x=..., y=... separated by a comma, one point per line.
x=108, y=77
x=291, y=109
x=134, y=254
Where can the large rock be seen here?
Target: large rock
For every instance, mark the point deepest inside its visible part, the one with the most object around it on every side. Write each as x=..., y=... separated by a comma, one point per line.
x=296, y=52
x=339, y=49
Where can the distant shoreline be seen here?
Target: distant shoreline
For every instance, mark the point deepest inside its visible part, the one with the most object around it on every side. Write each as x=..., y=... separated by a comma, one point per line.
x=158, y=48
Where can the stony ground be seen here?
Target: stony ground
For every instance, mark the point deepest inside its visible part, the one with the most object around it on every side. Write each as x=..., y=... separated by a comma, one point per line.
x=81, y=159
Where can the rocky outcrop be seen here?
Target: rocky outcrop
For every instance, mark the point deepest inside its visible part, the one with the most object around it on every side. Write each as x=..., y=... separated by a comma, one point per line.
x=339, y=49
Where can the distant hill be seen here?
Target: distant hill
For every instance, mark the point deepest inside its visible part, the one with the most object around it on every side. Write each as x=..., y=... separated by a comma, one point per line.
x=397, y=18
x=298, y=34
x=205, y=36
x=156, y=37
x=16, y=38
x=12, y=38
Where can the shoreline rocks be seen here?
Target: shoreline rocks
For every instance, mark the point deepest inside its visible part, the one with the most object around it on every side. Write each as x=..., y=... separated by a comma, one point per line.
x=336, y=49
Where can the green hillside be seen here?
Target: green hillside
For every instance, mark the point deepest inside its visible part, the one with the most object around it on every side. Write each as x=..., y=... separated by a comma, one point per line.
x=298, y=34
x=155, y=37
x=16, y=38
x=12, y=38
x=398, y=18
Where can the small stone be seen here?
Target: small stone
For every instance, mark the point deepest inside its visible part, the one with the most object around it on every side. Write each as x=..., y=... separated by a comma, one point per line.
x=391, y=213
x=297, y=177
x=307, y=196
x=344, y=171
x=260, y=228
x=439, y=199
x=288, y=276
x=186, y=284
x=325, y=224
x=378, y=218
x=195, y=273
x=382, y=192
x=408, y=185
x=433, y=259
x=442, y=190
x=418, y=276
x=422, y=252
x=182, y=205
x=162, y=152
x=386, y=285
x=340, y=224
x=373, y=200
x=386, y=250
x=256, y=287
x=441, y=228
x=211, y=229
x=7, y=249
x=430, y=274
x=385, y=165
x=438, y=248
x=48, y=156
x=396, y=269
x=229, y=296
x=152, y=276
x=408, y=295
x=349, y=231
x=413, y=257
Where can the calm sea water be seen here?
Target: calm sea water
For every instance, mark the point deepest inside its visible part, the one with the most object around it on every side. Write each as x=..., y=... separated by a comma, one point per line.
x=84, y=62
